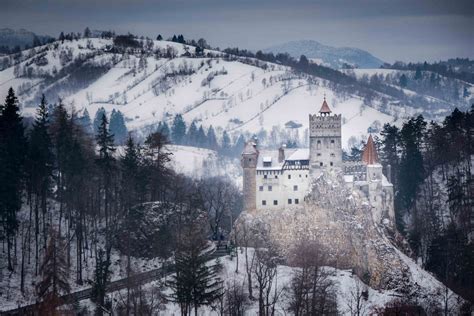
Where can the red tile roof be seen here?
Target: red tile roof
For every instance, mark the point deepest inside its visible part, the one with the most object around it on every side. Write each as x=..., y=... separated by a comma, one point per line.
x=369, y=155
x=325, y=108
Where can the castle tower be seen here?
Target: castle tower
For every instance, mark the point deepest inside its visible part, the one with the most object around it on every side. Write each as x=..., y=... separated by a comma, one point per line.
x=249, y=166
x=380, y=190
x=371, y=159
x=325, y=148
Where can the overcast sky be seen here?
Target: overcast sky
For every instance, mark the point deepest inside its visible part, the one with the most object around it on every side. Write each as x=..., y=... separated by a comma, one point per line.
x=392, y=30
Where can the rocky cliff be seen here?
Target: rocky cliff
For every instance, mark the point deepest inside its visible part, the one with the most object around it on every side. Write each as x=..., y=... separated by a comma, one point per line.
x=341, y=220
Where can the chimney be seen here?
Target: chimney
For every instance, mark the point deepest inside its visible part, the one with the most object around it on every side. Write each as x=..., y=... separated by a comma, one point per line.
x=281, y=153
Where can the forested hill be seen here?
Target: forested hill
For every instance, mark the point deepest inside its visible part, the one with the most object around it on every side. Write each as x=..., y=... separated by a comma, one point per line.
x=151, y=81
x=433, y=176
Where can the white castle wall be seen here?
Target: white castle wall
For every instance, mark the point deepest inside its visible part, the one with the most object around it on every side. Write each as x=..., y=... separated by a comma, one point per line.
x=285, y=185
x=278, y=187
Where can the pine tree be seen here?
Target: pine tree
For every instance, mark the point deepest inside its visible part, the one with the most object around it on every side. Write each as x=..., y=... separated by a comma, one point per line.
x=178, y=130
x=192, y=136
x=239, y=146
x=105, y=161
x=201, y=137
x=87, y=32
x=54, y=272
x=98, y=119
x=130, y=167
x=163, y=129
x=159, y=37
x=40, y=167
x=156, y=160
x=117, y=127
x=195, y=283
x=61, y=133
x=101, y=279
x=226, y=145
x=85, y=122
x=412, y=170
x=13, y=148
x=403, y=81
x=418, y=74
x=211, y=139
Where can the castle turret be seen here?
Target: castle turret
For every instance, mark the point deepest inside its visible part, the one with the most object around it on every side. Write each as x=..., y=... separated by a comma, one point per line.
x=249, y=166
x=380, y=190
x=325, y=140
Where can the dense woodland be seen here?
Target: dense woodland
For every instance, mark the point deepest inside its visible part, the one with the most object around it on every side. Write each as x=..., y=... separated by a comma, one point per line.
x=431, y=169
x=62, y=185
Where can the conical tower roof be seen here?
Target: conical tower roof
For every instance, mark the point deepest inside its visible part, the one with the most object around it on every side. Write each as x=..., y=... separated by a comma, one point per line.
x=369, y=155
x=325, y=108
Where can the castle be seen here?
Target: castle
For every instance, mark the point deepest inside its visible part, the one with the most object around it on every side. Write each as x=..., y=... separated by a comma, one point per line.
x=282, y=178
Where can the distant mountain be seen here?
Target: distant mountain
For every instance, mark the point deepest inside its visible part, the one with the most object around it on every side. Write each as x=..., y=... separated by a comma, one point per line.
x=13, y=38
x=334, y=57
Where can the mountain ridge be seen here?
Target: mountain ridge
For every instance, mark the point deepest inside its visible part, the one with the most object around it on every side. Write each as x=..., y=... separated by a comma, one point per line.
x=335, y=57
x=12, y=38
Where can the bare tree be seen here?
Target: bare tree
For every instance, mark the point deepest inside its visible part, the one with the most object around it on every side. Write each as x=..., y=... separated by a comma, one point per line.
x=266, y=276
x=311, y=290
x=54, y=272
x=357, y=299
x=235, y=299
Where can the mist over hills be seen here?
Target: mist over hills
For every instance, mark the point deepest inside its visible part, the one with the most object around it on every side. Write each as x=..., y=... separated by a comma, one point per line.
x=20, y=38
x=335, y=57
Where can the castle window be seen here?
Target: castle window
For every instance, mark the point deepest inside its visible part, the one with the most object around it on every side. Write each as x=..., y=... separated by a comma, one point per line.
x=276, y=177
x=264, y=176
x=289, y=201
x=333, y=155
x=289, y=176
x=264, y=202
x=319, y=154
x=306, y=176
x=260, y=188
x=297, y=201
x=300, y=176
x=269, y=188
x=275, y=202
x=295, y=188
x=331, y=163
x=250, y=159
x=318, y=144
x=320, y=164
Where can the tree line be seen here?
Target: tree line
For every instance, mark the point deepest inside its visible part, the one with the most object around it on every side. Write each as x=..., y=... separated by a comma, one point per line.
x=68, y=196
x=431, y=169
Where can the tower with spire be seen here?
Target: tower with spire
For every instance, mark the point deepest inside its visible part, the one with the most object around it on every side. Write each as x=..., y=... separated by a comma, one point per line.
x=282, y=178
x=325, y=150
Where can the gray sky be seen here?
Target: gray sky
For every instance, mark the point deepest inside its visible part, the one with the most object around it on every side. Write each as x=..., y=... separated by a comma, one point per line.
x=392, y=30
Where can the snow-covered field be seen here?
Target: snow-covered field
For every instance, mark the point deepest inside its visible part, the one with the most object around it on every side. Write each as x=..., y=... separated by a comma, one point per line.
x=230, y=95
x=346, y=285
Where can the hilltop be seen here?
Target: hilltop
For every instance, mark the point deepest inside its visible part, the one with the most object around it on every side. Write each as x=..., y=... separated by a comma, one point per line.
x=150, y=81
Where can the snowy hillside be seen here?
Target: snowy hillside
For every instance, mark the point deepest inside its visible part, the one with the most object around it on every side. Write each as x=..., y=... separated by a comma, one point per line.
x=199, y=162
x=165, y=78
x=347, y=287
x=336, y=57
